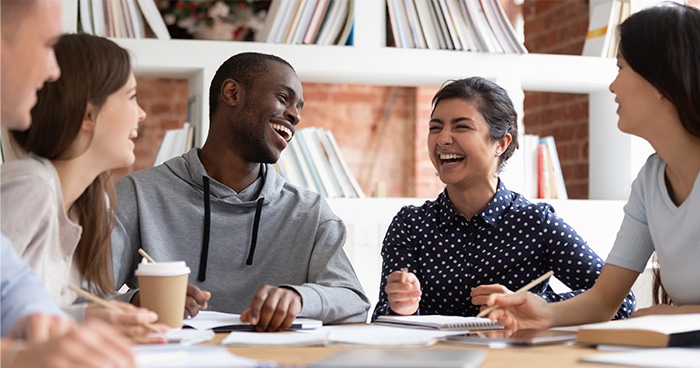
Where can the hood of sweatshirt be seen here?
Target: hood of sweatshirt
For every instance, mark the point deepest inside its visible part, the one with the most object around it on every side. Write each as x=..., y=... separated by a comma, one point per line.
x=192, y=171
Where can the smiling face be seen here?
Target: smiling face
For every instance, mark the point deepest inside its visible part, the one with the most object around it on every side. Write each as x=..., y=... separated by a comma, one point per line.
x=638, y=101
x=28, y=60
x=459, y=145
x=269, y=115
x=115, y=125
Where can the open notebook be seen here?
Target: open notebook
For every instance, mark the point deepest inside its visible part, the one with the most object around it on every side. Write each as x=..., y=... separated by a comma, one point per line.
x=438, y=322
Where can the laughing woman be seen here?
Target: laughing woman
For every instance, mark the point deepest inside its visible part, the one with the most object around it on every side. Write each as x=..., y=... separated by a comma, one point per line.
x=478, y=237
x=57, y=202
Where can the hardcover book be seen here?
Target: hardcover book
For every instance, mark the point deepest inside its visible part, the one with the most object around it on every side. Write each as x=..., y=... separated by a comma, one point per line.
x=646, y=331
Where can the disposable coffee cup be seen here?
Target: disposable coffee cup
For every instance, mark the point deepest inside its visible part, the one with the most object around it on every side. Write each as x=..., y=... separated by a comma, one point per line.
x=163, y=289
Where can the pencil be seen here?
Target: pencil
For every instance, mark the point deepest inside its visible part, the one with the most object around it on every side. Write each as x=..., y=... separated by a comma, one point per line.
x=105, y=304
x=519, y=291
x=404, y=274
x=145, y=255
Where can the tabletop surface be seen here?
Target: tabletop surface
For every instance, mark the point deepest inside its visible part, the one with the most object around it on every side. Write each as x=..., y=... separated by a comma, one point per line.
x=556, y=355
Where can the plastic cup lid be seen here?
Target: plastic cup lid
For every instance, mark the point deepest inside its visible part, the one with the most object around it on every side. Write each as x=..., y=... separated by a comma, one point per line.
x=162, y=269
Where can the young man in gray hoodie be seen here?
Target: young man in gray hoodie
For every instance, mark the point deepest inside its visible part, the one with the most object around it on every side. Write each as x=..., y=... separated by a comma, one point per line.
x=257, y=244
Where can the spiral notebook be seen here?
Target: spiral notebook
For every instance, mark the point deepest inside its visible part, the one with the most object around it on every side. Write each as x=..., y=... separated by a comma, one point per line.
x=438, y=322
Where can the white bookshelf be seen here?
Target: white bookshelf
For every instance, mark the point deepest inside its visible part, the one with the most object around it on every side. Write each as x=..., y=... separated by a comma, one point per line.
x=614, y=157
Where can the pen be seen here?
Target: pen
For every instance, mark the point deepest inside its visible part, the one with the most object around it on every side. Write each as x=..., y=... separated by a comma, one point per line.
x=104, y=303
x=519, y=291
x=404, y=274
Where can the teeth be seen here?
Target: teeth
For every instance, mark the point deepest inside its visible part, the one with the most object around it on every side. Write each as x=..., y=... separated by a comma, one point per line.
x=133, y=134
x=451, y=157
x=283, y=131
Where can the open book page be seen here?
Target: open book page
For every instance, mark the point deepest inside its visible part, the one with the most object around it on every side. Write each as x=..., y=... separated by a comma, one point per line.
x=219, y=322
x=440, y=322
x=353, y=335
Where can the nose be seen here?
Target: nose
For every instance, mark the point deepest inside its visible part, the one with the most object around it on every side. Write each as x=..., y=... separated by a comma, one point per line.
x=293, y=114
x=444, y=138
x=142, y=113
x=611, y=87
x=52, y=68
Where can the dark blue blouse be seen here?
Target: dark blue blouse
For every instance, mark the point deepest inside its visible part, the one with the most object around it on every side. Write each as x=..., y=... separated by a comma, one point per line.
x=512, y=242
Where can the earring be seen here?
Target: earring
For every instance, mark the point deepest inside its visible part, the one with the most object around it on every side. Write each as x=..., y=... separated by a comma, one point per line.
x=498, y=152
x=437, y=173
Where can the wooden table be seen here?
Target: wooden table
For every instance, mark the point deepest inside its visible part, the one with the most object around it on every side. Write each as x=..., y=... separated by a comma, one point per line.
x=555, y=356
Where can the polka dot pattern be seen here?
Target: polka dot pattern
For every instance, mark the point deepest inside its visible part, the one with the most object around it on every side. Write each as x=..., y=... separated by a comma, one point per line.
x=511, y=242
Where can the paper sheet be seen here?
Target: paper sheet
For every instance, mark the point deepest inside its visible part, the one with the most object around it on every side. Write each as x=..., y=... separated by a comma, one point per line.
x=662, y=358
x=176, y=356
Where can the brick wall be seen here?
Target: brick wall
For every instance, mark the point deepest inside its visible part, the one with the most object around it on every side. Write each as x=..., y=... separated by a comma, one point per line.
x=559, y=27
x=373, y=125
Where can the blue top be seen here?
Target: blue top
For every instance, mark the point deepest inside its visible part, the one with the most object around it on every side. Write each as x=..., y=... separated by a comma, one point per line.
x=511, y=242
x=21, y=291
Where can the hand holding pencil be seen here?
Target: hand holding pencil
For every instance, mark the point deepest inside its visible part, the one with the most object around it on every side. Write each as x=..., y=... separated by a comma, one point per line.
x=403, y=291
x=136, y=323
x=520, y=310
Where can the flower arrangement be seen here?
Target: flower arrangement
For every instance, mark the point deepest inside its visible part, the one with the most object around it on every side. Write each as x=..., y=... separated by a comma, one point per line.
x=236, y=20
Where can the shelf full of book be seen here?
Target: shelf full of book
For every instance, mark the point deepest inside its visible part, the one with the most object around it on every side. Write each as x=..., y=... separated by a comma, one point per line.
x=370, y=61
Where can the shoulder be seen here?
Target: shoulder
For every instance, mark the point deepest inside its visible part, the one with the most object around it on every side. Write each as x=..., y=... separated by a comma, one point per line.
x=29, y=175
x=428, y=207
x=30, y=168
x=652, y=170
x=153, y=176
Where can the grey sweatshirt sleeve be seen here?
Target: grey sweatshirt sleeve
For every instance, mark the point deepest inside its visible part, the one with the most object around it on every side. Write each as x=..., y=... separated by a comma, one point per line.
x=125, y=237
x=333, y=292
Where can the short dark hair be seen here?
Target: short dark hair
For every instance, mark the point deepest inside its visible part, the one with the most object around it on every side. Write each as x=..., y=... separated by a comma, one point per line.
x=662, y=44
x=244, y=68
x=492, y=101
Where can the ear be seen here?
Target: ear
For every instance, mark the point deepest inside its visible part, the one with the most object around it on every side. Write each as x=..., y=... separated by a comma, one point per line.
x=503, y=143
x=231, y=92
x=90, y=118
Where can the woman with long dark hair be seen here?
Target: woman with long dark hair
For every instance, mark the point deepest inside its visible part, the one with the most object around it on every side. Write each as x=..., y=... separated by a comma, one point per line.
x=658, y=92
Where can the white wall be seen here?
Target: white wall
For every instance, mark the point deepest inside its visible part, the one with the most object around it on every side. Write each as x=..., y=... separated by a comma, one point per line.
x=367, y=220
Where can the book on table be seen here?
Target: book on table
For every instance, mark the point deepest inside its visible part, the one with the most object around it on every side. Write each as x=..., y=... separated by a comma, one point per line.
x=439, y=322
x=646, y=331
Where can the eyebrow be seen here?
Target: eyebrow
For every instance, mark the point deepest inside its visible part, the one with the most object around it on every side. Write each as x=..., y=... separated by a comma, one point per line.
x=454, y=121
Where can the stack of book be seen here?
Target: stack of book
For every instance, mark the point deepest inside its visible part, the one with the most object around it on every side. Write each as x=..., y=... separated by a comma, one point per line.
x=605, y=16
x=319, y=22
x=469, y=25
x=175, y=143
x=314, y=161
x=121, y=18
x=534, y=169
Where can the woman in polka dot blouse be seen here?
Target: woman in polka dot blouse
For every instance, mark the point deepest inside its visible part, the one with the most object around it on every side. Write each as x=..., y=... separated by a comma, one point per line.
x=477, y=237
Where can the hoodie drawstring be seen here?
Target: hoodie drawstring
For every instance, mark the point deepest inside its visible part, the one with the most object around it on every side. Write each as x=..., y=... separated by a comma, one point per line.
x=254, y=238
x=202, y=274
